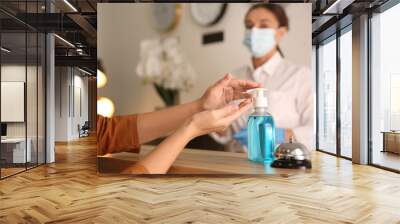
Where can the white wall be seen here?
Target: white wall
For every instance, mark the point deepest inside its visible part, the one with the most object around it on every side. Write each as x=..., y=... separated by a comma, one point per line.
x=12, y=73
x=80, y=94
x=122, y=26
x=68, y=83
x=61, y=103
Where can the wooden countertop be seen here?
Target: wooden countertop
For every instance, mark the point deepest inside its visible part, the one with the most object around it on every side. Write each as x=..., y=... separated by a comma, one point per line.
x=195, y=161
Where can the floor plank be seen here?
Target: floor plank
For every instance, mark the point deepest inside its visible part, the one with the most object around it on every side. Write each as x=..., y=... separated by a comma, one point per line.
x=71, y=191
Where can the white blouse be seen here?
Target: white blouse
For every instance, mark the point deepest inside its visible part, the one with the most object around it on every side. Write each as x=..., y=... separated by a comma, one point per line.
x=290, y=98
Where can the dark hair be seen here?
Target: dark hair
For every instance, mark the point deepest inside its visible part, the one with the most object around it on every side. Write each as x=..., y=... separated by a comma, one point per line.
x=278, y=12
x=275, y=9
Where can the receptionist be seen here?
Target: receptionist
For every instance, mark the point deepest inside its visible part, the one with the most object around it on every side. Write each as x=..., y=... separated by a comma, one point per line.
x=291, y=98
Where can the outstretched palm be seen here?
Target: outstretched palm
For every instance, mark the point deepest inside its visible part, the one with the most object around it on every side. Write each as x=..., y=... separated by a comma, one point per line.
x=225, y=90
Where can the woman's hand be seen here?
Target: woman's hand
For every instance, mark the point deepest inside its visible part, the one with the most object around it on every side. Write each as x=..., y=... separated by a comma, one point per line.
x=163, y=156
x=215, y=120
x=224, y=91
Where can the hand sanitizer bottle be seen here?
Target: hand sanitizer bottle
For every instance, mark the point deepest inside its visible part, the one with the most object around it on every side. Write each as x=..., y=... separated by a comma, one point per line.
x=261, y=130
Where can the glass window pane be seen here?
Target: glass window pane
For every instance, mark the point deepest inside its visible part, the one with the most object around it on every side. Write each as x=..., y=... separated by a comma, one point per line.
x=14, y=148
x=386, y=89
x=327, y=97
x=346, y=94
x=23, y=90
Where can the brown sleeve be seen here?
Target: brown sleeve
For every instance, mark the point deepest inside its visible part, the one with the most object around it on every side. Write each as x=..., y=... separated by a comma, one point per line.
x=117, y=134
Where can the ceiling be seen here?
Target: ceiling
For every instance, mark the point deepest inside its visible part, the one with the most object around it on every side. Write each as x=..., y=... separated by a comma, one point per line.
x=332, y=15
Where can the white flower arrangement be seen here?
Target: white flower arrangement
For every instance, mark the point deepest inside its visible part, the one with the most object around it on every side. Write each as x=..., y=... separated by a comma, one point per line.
x=162, y=63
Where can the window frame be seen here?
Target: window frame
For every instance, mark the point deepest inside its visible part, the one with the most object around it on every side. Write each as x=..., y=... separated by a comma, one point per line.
x=334, y=37
x=378, y=10
x=27, y=29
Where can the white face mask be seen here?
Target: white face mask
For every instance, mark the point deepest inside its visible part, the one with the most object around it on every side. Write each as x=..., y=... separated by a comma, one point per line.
x=259, y=41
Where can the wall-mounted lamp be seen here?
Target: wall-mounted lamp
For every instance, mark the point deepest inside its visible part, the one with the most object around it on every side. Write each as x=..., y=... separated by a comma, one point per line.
x=101, y=79
x=105, y=107
x=5, y=50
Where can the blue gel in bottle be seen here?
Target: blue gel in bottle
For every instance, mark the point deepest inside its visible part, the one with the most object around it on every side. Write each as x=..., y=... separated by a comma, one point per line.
x=261, y=131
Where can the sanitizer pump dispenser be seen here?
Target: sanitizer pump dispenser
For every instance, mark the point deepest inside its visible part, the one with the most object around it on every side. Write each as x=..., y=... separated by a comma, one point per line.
x=261, y=129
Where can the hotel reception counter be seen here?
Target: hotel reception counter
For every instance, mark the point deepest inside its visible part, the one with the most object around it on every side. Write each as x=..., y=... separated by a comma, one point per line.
x=195, y=161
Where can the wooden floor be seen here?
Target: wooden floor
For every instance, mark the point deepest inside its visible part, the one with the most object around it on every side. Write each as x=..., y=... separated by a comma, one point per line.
x=386, y=159
x=70, y=191
x=10, y=171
